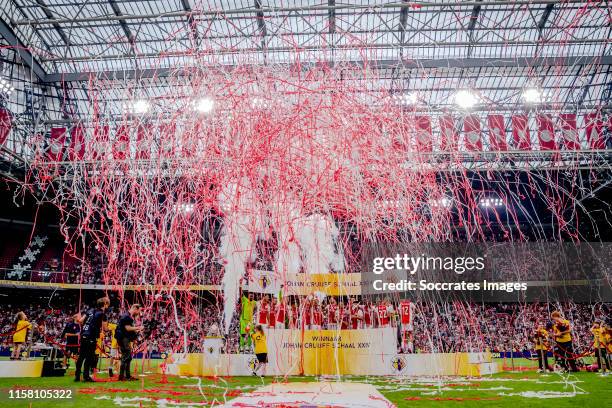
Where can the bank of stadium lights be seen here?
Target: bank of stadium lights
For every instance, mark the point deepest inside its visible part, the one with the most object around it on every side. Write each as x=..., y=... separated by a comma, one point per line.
x=141, y=106
x=491, y=202
x=259, y=103
x=184, y=208
x=410, y=98
x=5, y=87
x=465, y=99
x=138, y=107
x=532, y=96
x=204, y=105
x=444, y=202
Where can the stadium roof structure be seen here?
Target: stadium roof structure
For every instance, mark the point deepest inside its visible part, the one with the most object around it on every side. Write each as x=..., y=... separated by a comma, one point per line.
x=51, y=51
x=495, y=47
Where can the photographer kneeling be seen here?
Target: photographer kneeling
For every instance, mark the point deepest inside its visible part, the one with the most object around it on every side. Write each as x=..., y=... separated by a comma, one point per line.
x=126, y=333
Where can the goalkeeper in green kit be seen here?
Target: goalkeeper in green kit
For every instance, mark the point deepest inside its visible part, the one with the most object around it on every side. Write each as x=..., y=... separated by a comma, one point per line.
x=246, y=320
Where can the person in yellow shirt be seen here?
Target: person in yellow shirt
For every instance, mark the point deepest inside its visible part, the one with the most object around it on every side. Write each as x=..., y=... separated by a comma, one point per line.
x=100, y=344
x=540, y=340
x=100, y=350
x=22, y=327
x=261, y=349
x=600, y=345
x=114, y=350
x=562, y=333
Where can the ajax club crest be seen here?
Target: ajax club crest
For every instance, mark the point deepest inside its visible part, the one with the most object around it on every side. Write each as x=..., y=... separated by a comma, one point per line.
x=398, y=363
x=264, y=281
x=252, y=363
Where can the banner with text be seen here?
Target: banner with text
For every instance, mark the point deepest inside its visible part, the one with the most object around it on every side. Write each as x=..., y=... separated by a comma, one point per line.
x=331, y=284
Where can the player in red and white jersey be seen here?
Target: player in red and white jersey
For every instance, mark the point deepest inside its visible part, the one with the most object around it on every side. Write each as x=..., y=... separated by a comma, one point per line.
x=385, y=313
x=294, y=316
x=345, y=316
x=333, y=314
x=317, y=315
x=406, y=314
x=281, y=313
x=406, y=311
x=369, y=315
x=356, y=315
x=263, y=312
x=306, y=314
x=272, y=313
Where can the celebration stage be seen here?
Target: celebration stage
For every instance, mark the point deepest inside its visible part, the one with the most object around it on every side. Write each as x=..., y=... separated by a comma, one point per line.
x=25, y=368
x=330, y=352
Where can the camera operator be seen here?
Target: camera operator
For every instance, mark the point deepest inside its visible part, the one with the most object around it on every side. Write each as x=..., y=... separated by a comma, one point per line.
x=94, y=321
x=125, y=333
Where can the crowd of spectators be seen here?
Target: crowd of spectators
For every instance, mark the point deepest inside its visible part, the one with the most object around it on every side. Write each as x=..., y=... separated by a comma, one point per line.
x=512, y=262
x=166, y=335
x=498, y=327
x=92, y=273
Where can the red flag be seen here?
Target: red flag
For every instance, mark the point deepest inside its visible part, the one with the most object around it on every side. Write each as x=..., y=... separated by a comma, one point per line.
x=167, y=140
x=594, y=130
x=497, y=132
x=77, y=143
x=448, y=133
x=99, y=145
x=520, y=132
x=6, y=122
x=55, y=149
x=473, y=137
x=121, y=148
x=569, y=131
x=546, y=132
x=143, y=141
x=423, y=133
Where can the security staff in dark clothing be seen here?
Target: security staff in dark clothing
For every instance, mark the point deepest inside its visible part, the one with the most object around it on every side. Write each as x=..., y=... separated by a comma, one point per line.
x=125, y=334
x=93, y=322
x=70, y=334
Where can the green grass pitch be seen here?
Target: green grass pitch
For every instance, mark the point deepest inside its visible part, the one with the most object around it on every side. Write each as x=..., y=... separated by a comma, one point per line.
x=508, y=389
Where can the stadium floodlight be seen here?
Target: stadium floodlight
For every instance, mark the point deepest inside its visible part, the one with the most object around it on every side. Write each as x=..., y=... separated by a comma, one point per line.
x=204, y=105
x=185, y=208
x=259, y=103
x=6, y=87
x=443, y=202
x=141, y=106
x=410, y=98
x=465, y=99
x=490, y=202
x=532, y=95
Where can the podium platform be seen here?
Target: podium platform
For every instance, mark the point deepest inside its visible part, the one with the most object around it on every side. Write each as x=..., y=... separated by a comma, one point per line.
x=21, y=368
x=325, y=352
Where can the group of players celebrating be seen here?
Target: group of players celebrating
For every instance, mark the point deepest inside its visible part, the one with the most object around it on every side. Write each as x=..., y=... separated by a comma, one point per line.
x=556, y=337
x=312, y=313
